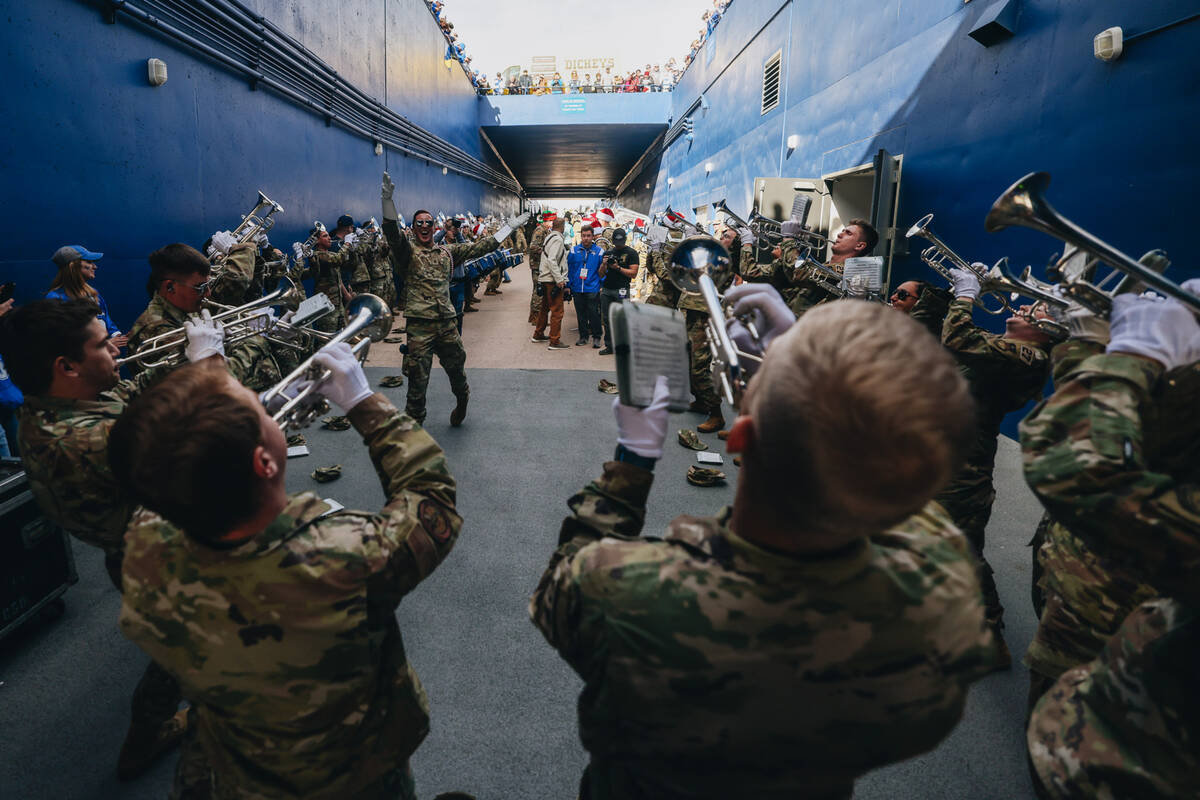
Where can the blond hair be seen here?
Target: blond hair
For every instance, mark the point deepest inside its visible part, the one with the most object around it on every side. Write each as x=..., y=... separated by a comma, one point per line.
x=860, y=418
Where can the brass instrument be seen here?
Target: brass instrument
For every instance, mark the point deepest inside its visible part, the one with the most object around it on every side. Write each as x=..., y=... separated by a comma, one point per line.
x=696, y=266
x=237, y=323
x=1001, y=278
x=370, y=321
x=251, y=226
x=681, y=223
x=1024, y=204
x=307, y=246
x=937, y=255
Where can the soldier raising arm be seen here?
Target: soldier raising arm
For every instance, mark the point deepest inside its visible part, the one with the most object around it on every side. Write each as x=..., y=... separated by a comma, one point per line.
x=747, y=654
x=276, y=617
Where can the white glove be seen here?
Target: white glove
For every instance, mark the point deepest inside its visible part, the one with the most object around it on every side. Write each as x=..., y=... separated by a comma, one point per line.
x=765, y=307
x=350, y=239
x=298, y=251
x=643, y=430
x=204, y=337
x=1163, y=330
x=261, y=320
x=347, y=386
x=221, y=243
x=965, y=283
x=519, y=220
x=389, y=206
x=261, y=239
x=747, y=236
x=791, y=227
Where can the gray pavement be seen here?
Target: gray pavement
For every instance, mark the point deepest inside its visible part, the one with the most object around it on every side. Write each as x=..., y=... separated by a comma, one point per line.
x=503, y=704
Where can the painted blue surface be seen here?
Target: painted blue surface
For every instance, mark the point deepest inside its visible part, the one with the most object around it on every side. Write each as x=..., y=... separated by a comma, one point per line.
x=1118, y=138
x=93, y=154
x=634, y=108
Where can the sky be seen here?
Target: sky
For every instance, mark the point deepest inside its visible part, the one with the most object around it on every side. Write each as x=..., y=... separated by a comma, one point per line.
x=632, y=32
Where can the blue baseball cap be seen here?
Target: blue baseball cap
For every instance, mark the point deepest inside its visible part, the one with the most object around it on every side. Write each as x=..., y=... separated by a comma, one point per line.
x=74, y=252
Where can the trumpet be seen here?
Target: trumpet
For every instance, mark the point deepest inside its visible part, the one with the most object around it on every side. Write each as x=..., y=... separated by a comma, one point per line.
x=1001, y=278
x=680, y=223
x=370, y=321
x=937, y=256
x=1024, y=204
x=252, y=224
x=238, y=323
x=696, y=266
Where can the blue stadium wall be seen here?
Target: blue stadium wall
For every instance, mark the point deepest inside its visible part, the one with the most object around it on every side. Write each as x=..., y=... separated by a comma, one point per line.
x=1118, y=138
x=93, y=155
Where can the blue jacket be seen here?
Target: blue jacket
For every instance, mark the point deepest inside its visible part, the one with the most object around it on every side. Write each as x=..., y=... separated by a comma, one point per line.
x=109, y=325
x=578, y=260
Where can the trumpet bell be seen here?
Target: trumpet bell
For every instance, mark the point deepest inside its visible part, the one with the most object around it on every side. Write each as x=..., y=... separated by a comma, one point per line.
x=919, y=227
x=696, y=256
x=381, y=322
x=1023, y=203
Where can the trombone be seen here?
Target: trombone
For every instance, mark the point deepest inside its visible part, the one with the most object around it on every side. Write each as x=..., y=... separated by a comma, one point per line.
x=259, y=220
x=237, y=323
x=370, y=321
x=696, y=265
x=939, y=253
x=1024, y=204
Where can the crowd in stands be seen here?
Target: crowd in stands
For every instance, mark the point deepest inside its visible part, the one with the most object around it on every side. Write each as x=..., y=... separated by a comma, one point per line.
x=656, y=78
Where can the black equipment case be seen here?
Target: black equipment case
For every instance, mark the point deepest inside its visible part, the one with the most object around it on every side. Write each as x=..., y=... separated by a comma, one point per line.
x=36, y=562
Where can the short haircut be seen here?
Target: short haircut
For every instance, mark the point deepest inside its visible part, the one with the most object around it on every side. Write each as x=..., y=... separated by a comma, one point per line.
x=33, y=336
x=559, y=224
x=419, y=212
x=185, y=449
x=860, y=418
x=175, y=261
x=869, y=234
x=586, y=227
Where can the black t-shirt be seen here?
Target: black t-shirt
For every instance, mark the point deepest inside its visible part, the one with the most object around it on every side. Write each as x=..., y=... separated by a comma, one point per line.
x=627, y=257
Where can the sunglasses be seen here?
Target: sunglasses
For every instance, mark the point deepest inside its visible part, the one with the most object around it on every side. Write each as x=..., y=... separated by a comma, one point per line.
x=423, y=223
x=902, y=294
x=199, y=288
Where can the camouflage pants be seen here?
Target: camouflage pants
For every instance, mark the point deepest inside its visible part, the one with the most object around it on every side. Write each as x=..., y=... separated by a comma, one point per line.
x=968, y=500
x=384, y=289
x=256, y=368
x=535, y=302
x=494, y=280
x=195, y=779
x=156, y=696
x=703, y=388
x=427, y=337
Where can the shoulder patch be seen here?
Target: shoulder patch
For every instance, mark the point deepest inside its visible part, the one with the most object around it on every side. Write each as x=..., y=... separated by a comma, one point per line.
x=434, y=520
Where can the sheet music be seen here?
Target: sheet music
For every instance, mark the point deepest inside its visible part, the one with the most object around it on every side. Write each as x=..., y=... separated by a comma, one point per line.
x=657, y=346
x=870, y=268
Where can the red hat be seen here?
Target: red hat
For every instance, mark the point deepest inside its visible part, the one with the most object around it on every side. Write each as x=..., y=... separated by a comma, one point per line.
x=605, y=215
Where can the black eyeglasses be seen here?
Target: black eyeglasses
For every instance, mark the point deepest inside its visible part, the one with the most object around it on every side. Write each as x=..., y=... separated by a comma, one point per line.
x=199, y=288
x=903, y=294
x=423, y=223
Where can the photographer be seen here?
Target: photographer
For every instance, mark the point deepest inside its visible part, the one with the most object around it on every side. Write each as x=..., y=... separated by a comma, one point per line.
x=620, y=266
x=552, y=282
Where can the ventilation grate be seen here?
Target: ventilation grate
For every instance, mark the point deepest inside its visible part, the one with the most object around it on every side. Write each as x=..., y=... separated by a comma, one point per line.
x=770, y=82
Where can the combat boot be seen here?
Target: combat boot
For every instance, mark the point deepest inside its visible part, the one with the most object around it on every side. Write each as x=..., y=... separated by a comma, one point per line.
x=711, y=424
x=1003, y=656
x=459, y=413
x=140, y=750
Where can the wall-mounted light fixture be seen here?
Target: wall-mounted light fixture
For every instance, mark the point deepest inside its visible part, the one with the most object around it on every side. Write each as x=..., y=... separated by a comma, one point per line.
x=670, y=181
x=156, y=71
x=1108, y=44
x=793, y=141
x=703, y=103
x=378, y=148
x=708, y=167
x=445, y=171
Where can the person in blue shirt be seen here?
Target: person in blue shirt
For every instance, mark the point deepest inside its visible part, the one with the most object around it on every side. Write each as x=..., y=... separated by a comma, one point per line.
x=10, y=400
x=583, y=273
x=76, y=266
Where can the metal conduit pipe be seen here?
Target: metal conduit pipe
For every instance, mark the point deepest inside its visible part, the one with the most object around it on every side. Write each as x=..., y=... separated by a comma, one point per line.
x=367, y=117
x=314, y=65
x=162, y=25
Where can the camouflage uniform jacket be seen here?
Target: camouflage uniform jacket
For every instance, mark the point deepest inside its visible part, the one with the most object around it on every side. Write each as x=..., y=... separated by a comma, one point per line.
x=1086, y=451
x=250, y=360
x=715, y=668
x=535, y=245
x=931, y=308
x=1128, y=723
x=64, y=447
x=231, y=285
x=330, y=271
x=694, y=301
x=427, y=286
x=1004, y=375
x=287, y=645
x=399, y=254
x=665, y=293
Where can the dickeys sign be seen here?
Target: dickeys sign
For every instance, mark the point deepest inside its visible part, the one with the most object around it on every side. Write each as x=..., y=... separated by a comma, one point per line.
x=580, y=64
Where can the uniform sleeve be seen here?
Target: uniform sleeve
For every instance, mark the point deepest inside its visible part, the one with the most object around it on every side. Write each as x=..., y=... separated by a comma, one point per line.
x=419, y=524
x=1084, y=457
x=612, y=505
x=465, y=252
x=399, y=248
x=930, y=309
x=229, y=287
x=974, y=346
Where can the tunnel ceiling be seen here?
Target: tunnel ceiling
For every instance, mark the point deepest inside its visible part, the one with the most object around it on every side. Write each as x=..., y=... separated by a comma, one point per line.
x=571, y=160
